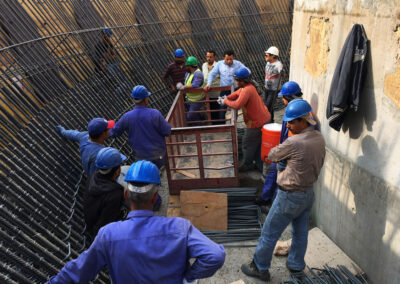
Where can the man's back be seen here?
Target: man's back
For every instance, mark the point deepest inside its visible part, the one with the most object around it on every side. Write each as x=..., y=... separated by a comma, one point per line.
x=147, y=249
x=147, y=130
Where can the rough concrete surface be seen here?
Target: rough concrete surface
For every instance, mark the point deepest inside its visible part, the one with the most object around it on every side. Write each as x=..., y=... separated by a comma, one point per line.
x=358, y=191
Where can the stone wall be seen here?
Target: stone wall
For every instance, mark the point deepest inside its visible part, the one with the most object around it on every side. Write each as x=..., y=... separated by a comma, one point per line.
x=358, y=192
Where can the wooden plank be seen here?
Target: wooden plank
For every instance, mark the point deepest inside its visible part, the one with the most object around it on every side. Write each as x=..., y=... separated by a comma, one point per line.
x=174, y=206
x=206, y=210
x=186, y=173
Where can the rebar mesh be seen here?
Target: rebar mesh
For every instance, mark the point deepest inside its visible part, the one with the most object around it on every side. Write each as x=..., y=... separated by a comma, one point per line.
x=48, y=77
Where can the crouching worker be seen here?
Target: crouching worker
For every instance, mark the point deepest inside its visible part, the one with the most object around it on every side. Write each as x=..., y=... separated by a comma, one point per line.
x=146, y=248
x=104, y=197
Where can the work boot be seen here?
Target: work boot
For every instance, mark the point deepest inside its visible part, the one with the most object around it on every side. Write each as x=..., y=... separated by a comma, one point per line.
x=252, y=271
x=293, y=270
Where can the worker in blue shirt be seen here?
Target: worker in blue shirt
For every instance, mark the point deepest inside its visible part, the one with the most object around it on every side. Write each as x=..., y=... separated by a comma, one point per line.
x=226, y=69
x=90, y=142
x=146, y=129
x=146, y=248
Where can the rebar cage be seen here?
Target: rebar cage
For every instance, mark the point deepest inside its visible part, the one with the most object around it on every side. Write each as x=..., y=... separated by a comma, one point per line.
x=48, y=77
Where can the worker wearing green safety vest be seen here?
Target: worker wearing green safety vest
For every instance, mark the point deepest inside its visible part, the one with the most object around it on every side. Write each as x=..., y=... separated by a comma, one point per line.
x=194, y=79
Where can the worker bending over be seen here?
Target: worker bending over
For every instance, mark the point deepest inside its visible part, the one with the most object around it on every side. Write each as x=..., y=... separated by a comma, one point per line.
x=305, y=154
x=255, y=115
x=146, y=248
x=90, y=142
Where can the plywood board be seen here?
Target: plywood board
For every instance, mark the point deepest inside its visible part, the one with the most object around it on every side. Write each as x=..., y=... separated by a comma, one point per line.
x=206, y=210
x=174, y=206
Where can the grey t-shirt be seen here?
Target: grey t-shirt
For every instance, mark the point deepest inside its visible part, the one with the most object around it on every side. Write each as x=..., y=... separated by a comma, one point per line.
x=272, y=75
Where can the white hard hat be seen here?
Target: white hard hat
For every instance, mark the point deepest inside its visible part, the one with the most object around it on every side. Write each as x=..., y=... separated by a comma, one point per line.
x=273, y=50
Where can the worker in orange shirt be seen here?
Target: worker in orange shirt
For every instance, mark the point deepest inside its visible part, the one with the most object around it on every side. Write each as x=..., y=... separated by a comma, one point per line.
x=255, y=115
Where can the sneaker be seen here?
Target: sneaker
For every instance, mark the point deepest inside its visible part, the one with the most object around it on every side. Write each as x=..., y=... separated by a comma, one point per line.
x=293, y=270
x=252, y=271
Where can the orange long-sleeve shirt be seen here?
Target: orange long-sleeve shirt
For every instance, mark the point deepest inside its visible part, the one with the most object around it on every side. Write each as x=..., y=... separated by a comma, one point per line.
x=255, y=113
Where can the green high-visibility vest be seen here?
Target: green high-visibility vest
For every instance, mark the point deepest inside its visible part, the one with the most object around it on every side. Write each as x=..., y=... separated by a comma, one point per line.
x=193, y=96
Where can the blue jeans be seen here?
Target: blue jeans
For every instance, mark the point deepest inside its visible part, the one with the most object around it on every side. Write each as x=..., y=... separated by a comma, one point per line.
x=287, y=207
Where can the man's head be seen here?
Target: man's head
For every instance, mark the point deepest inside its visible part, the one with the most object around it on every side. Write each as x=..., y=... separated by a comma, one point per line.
x=192, y=63
x=210, y=57
x=179, y=56
x=290, y=91
x=140, y=95
x=229, y=56
x=98, y=128
x=297, y=116
x=271, y=54
x=109, y=161
x=242, y=76
x=143, y=180
x=106, y=33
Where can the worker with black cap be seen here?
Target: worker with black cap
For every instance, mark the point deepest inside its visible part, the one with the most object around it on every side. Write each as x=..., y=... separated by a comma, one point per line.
x=90, y=142
x=104, y=196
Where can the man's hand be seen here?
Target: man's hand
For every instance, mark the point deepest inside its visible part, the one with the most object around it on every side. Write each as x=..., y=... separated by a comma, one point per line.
x=221, y=100
x=281, y=165
x=60, y=129
x=206, y=88
x=180, y=86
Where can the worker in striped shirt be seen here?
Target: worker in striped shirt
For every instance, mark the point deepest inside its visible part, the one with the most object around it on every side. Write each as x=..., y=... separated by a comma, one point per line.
x=175, y=72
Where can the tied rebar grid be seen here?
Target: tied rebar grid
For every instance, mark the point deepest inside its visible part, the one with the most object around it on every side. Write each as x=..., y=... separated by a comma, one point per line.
x=47, y=77
x=328, y=275
x=244, y=216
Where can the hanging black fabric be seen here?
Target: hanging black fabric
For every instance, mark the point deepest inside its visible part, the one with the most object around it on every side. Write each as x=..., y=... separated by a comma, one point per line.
x=346, y=83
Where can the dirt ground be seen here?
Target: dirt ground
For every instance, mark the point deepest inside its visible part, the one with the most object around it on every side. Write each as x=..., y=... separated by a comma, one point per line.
x=243, y=252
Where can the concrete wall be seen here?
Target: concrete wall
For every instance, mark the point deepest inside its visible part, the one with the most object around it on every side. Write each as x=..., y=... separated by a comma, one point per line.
x=358, y=192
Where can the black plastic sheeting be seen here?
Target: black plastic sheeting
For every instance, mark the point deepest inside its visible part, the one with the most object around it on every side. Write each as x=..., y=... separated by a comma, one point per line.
x=48, y=78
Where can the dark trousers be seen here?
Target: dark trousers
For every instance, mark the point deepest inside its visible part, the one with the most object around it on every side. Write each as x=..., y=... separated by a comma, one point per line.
x=269, y=101
x=251, y=147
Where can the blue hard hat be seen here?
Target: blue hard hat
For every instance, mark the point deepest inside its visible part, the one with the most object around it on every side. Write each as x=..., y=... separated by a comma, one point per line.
x=290, y=88
x=107, y=31
x=109, y=158
x=99, y=125
x=144, y=172
x=140, y=92
x=179, y=53
x=242, y=73
x=295, y=109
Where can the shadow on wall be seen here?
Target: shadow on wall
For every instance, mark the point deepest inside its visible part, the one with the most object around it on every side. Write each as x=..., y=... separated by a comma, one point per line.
x=314, y=105
x=374, y=223
x=353, y=121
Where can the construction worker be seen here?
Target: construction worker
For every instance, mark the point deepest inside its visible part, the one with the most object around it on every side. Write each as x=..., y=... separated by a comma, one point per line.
x=146, y=248
x=106, y=62
x=255, y=115
x=273, y=70
x=146, y=128
x=193, y=79
x=90, y=142
x=290, y=91
x=304, y=153
x=206, y=69
x=104, y=196
x=175, y=72
x=225, y=69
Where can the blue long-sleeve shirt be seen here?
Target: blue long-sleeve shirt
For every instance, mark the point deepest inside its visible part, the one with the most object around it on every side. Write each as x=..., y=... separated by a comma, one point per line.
x=146, y=249
x=225, y=72
x=146, y=129
x=87, y=149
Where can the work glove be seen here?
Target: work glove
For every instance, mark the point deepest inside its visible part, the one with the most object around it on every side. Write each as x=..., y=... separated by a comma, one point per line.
x=60, y=129
x=180, y=86
x=281, y=165
x=221, y=100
